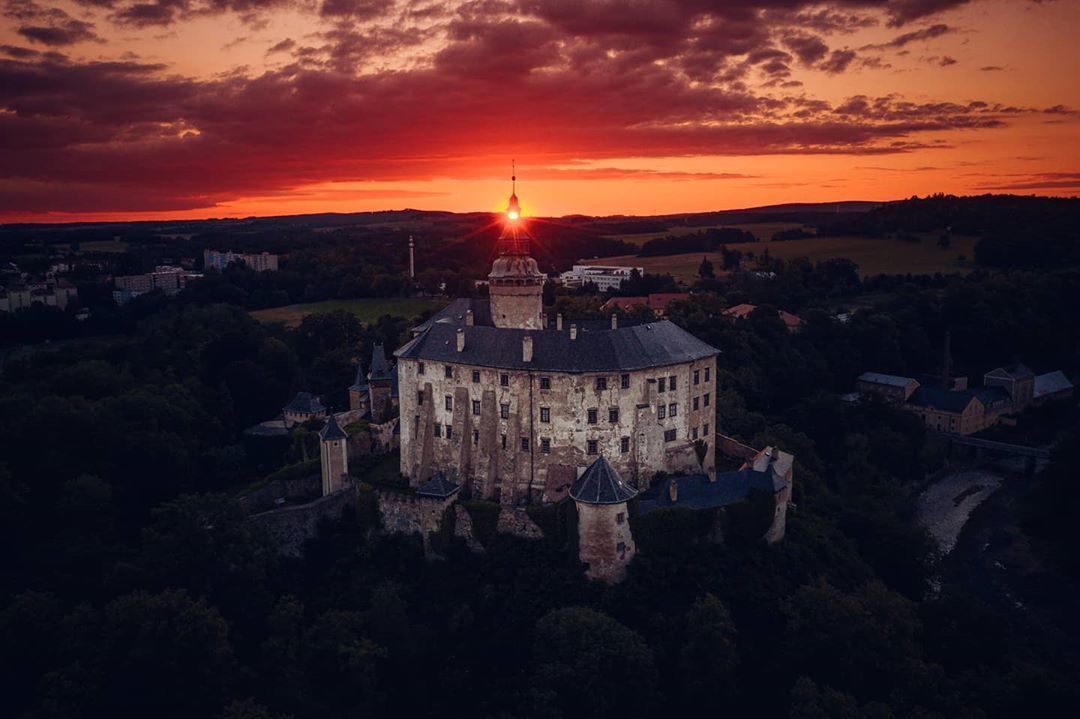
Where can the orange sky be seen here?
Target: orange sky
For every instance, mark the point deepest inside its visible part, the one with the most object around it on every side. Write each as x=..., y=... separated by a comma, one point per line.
x=117, y=109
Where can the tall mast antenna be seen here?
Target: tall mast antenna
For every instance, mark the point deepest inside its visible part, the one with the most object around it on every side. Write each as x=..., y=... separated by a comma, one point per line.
x=513, y=176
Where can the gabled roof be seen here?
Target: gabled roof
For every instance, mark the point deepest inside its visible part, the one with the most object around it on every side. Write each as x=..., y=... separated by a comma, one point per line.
x=1014, y=372
x=332, y=430
x=1052, y=383
x=601, y=484
x=887, y=379
x=380, y=368
x=941, y=399
x=697, y=492
x=305, y=402
x=743, y=311
x=438, y=486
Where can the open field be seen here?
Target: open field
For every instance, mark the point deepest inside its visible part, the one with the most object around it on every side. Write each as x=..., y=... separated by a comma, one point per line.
x=114, y=246
x=761, y=230
x=872, y=255
x=366, y=310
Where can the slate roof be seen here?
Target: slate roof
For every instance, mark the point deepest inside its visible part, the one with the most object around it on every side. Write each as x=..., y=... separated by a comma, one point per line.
x=598, y=348
x=332, y=430
x=940, y=399
x=454, y=314
x=305, y=402
x=360, y=384
x=887, y=379
x=601, y=484
x=697, y=492
x=1052, y=383
x=438, y=486
x=380, y=368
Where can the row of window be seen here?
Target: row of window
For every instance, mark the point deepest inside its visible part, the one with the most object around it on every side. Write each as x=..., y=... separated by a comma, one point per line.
x=664, y=384
x=592, y=446
x=704, y=401
x=704, y=431
x=592, y=414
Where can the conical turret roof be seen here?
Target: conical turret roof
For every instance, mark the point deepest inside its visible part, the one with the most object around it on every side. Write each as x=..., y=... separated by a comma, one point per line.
x=601, y=484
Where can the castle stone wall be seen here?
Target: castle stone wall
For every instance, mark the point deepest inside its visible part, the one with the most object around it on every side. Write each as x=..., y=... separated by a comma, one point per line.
x=290, y=526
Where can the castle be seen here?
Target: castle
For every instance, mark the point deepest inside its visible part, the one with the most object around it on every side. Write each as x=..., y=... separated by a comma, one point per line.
x=514, y=405
x=493, y=400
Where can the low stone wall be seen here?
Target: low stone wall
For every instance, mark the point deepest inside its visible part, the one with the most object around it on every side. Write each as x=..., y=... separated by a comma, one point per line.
x=734, y=448
x=290, y=526
x=407, y=513
x=264, y=498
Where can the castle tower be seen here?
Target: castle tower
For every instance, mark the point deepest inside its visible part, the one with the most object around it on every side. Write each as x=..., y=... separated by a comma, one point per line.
x=605, y=543
x=358, y=392
x=380, y=386
x=516, y=284
x=334, y=453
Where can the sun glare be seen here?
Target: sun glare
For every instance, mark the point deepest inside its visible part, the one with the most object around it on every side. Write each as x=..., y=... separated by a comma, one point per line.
x=512, y=215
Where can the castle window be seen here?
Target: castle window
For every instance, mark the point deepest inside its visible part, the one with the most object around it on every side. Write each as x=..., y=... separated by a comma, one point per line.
x=696, y=401
x=476, y=436
x=545, y=414
x=524, y=444
x=592, y=415
x=448, y=371
x=591, y=447
x=693, y=433
x=504, y=410
x=438, y=430
x=661, y=384
x=601, y=383
x=545, y=383
x=661, y=411
x=419, y=397
x=705, y=399
x=620, y=518
x=613, y=415
x=419, y=368
x=504, y=441
x=449, y=431
x=475, y=375
x=545, y=445
x=624, y=381
x=672, y=410
x=707, y=372
x=476, y=407
x=671, y=382
x=669, y=435
x=697, y=376
x=620, y=547
x=705, y=429
x=504, y=380
x=624, y=445
x=449, y=402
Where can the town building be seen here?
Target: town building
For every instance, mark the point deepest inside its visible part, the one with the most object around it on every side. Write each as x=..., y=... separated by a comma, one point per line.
x=604, y=277
x=375, y=394
x=260, y=262
x=51, y=293
x=743, y=312
x=1017, y=380
x=166, y=278
x=959, y=411
x=658, y=302
x=892, y=388
x=514, y=405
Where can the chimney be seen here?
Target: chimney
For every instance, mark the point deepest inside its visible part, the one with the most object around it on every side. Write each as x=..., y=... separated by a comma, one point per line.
x=558, y=322
x=469, y=319
x=526, y=348
x=543, y=320
x=573, y=332
x=673, y=490
x=614, y=321
x=460, y=340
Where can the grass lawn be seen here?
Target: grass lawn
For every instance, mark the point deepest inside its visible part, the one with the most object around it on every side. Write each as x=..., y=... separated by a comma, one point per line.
x=761, y=230
x=872, y=255
x=366, y=310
